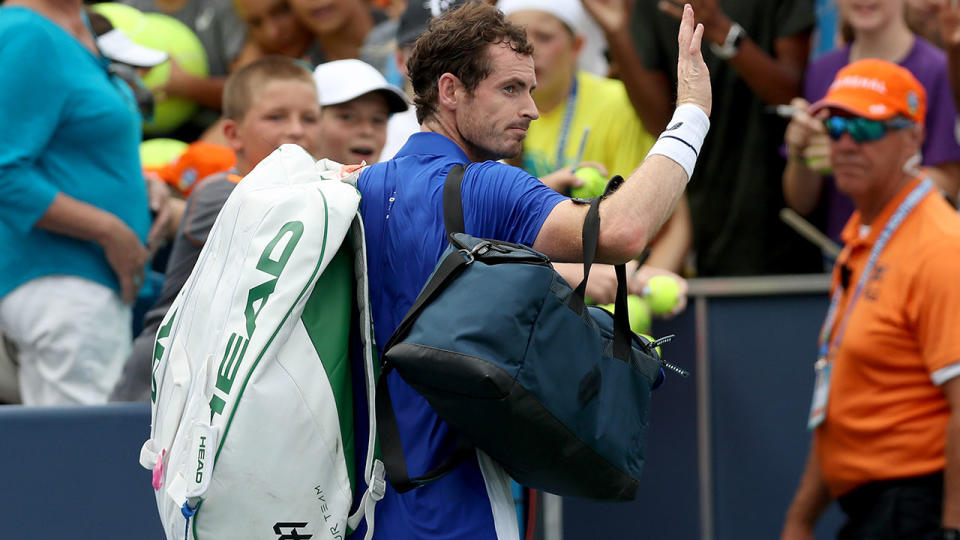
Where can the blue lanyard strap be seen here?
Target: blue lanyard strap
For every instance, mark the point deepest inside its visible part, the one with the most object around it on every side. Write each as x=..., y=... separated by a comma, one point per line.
x=565, y=127
x=901, y=213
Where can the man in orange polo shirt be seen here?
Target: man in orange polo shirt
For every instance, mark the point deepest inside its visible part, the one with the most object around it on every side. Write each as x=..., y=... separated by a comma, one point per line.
x=886, y=409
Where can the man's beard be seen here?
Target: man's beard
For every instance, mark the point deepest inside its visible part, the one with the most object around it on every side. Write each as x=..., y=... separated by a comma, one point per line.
x=480, y=137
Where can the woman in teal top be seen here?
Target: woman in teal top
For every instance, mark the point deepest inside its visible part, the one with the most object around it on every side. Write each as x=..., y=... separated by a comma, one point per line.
x=74, y=214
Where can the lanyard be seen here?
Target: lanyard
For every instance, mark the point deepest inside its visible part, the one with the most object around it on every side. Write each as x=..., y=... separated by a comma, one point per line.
x=565, y=127
x=892, y=225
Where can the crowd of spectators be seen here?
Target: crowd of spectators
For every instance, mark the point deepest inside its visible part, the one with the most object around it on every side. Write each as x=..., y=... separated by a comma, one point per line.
x=760, y=55
x=85, y=224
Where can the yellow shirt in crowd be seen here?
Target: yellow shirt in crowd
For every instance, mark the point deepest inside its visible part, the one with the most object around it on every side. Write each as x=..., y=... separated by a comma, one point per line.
x=617, y=138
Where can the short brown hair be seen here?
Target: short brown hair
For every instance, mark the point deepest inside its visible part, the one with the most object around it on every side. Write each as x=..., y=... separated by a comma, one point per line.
x=456, y=43
x=241, y=87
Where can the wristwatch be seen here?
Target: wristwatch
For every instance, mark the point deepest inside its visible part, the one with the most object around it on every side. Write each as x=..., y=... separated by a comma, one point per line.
x=949, y=534
x=731, y=44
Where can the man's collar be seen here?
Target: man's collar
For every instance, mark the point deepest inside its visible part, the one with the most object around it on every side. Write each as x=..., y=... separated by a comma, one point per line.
x=850, y=234
x=430, y=143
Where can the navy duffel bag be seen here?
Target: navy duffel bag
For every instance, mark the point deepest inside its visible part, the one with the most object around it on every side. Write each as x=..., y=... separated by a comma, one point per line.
x=507, y=353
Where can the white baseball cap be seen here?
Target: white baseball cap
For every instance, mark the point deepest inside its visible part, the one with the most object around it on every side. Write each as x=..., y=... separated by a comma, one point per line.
x=342, y=80
x=570, y=12
x=116, y=46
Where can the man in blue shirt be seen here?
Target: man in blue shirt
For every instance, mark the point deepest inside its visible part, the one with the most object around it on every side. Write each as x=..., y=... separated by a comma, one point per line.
x=473, y=74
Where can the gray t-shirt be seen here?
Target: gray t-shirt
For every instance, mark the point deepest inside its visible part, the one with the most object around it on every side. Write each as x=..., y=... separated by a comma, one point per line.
x=215, y=23
x=736, y=191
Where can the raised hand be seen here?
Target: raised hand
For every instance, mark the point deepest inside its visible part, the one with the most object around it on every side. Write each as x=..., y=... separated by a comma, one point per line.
x=693, y=78
x=802, y=128
x=612, y=15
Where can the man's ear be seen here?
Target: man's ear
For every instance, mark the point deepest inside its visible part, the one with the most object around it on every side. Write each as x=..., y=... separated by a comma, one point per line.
x=231, y=131
x=449, y=91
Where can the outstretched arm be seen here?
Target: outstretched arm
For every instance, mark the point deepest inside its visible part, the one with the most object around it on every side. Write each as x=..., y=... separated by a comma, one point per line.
x=630, y=216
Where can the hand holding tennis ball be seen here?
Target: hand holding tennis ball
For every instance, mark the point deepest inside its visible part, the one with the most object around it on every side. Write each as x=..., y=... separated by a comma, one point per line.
x=594, y=182
x=662, y=293
x=638, y=311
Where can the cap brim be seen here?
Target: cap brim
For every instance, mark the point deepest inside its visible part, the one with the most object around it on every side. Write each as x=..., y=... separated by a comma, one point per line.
x=116, y=46
x=857, y=111
x=396, y=99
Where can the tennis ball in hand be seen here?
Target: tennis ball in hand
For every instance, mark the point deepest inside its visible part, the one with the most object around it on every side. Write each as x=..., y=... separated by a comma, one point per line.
x=662, y=293
x=638, y=311
x=820, y=165
x=593, y=183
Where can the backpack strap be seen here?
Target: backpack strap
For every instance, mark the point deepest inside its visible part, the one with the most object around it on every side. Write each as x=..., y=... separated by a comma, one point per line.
x=453, y=200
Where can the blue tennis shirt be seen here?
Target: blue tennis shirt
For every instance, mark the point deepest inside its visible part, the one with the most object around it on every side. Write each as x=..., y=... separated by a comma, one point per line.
x=402, y=210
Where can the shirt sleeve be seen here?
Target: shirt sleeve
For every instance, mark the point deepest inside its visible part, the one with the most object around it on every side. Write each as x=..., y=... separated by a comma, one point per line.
x=203, y=207
x=933, y=310
x=505, y=202
x=941, y=145
x=32, y=99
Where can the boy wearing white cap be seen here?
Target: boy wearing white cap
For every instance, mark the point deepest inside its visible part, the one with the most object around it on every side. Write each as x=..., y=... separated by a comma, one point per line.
x=356, y=103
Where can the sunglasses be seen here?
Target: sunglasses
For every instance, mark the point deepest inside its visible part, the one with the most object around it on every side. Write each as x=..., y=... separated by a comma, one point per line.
x=863, y=129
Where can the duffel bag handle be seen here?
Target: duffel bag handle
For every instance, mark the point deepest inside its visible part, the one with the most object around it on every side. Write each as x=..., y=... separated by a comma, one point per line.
x=577, y=301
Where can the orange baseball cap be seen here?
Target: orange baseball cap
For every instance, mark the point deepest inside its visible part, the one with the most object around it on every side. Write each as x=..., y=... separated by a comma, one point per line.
x=878, y=90
x=201, y=159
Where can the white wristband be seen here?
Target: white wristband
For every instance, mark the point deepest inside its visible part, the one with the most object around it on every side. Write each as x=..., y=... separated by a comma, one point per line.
x=682, y=139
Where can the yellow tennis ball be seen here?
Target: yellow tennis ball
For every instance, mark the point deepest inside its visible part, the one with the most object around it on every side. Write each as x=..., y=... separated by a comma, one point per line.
x=163, y=32
x=820, y=165
x=126, y=18
x=637, y=311
x=593, y=183
x=662, y=293
x=155, y=153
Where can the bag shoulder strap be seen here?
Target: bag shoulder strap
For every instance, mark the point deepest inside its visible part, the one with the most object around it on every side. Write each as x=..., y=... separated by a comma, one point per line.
x=453, y=200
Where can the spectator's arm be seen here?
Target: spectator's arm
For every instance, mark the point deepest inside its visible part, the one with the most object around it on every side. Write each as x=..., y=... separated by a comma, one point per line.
x=951, y=474
x=648, y=90
x=776, y=79
x=670, y=246
x=207, y=91
x=801, y=184
x=810, y=500
x=122, y=248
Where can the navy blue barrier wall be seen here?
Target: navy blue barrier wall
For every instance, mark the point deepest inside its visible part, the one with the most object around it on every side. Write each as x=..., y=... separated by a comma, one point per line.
x=73, y=473
x=667, y=505
x=729, y=471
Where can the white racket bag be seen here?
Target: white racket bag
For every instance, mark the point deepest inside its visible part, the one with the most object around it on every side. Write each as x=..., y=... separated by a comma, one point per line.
x=252, y=418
